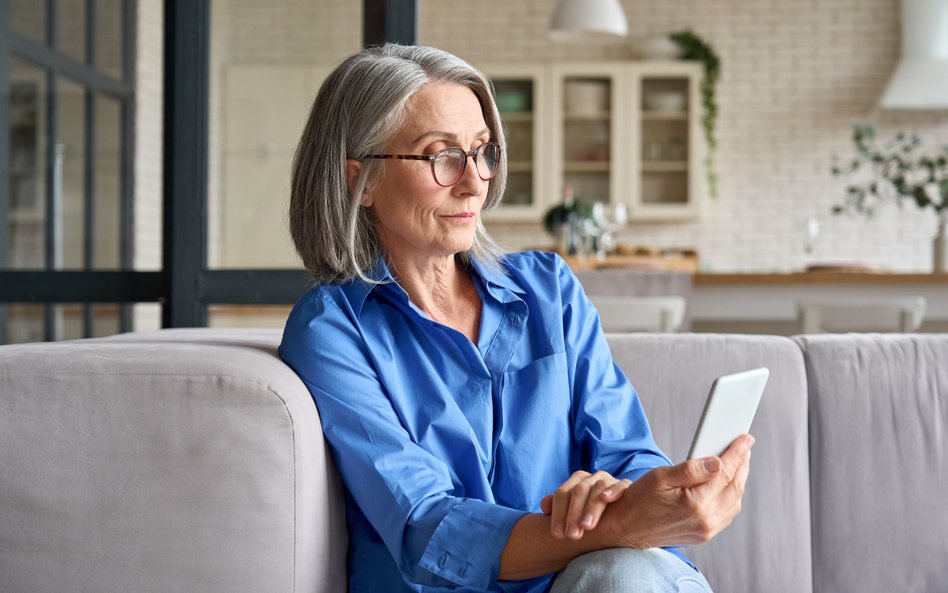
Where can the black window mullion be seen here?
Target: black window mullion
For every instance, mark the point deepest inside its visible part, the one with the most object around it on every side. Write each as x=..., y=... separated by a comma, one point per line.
x=5, y=27
x=52, y=164
x=389, y=20
x=5, y=56
x=88, y=225
x=187, y=53
x=127, y=154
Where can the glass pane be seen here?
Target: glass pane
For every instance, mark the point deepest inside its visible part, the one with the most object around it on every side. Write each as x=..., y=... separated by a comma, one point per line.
x=24, y=323
x=27, y=182
x=587, y=120
x=68, y=209
x=263, y=80
x=665, y=187
x=71, y=29
x=67, y=322
x=28, y=17
x=515, y=101
x=107, y=203
x=105, y=320
x=108, y=37
x=146, y=316
x=147, y=230
x=248, y=315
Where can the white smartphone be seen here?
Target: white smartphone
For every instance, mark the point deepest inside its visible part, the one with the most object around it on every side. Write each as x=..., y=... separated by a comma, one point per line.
x=728, y=411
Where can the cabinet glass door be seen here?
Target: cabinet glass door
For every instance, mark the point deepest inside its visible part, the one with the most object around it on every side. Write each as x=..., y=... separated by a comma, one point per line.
x=665, y=140
x=515, y=98
x=587, y=137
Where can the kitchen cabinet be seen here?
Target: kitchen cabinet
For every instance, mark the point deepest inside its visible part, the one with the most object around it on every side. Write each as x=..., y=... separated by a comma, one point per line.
x=522, y=95
x=614, y=132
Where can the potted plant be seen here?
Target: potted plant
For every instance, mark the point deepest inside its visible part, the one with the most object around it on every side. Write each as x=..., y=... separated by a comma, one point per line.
x=694, y=47
x=898, y=171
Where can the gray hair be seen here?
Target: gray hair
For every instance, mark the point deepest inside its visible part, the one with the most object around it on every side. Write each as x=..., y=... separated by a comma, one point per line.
x=358, y=110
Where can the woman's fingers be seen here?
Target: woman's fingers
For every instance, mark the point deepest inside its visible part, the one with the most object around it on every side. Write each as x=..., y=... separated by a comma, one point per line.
x=586, y=504
x=561, y=502
x=598, y=500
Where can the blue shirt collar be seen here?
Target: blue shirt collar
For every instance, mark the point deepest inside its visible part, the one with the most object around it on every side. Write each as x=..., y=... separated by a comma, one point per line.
x=498, y=284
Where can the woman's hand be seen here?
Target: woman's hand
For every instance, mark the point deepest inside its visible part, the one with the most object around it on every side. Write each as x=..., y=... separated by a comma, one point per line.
x=579, y=502
x=688, y=503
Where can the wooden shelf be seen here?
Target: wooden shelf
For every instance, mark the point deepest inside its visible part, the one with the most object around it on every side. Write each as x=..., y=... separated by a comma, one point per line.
x=603, y=116
x=512, y=117
x=586, y=166
x=664, y=166
x=664, y=115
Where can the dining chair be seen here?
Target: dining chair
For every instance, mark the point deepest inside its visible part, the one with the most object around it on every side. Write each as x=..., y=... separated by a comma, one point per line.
x=877, y=314
x=619, y=314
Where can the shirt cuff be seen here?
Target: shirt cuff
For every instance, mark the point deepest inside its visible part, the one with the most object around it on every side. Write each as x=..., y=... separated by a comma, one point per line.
x=450, y=553
x=641, y=465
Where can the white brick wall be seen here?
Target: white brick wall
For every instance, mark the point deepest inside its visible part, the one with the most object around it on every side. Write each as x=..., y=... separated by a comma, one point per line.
x=796, y=74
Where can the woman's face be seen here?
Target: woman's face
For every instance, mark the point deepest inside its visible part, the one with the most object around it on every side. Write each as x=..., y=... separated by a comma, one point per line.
x=417, y=218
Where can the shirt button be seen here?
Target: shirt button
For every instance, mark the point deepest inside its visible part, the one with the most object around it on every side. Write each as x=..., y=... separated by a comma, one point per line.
x=516, y=320
x=442, y=561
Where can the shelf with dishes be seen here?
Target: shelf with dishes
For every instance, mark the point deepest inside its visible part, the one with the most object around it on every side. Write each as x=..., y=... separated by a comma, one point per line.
x=606, y=131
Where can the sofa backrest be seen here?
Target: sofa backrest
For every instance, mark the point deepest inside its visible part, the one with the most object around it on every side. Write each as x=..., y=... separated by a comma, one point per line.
x=767, y=548
x=186, y=460
x=879, y=461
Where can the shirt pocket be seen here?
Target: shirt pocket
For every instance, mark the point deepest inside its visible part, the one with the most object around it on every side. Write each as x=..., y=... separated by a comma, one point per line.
x=535, y=445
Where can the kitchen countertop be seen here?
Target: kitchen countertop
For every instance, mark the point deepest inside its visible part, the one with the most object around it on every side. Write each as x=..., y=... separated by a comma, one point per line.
x=758, y=297
x=776, y=278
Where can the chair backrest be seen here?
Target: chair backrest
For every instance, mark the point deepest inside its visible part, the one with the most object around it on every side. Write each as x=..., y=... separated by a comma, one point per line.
x=881, y=314
x=642, y=314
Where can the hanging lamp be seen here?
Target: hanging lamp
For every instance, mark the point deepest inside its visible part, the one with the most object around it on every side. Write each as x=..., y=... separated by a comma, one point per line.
x=574, y=17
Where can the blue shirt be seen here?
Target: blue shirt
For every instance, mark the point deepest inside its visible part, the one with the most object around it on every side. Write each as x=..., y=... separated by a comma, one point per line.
x=443, y=444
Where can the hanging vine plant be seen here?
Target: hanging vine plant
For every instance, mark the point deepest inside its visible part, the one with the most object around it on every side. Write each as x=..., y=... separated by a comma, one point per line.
x=696, y=48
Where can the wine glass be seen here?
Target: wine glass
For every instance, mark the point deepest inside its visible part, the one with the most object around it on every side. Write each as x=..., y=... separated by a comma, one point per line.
x=811, y=232
x=608, y=218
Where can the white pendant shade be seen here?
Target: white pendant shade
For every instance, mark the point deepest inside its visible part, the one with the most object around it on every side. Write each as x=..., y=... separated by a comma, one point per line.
x=589, y=16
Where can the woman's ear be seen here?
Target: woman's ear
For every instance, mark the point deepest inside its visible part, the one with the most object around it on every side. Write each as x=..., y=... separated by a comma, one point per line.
x=353, y=168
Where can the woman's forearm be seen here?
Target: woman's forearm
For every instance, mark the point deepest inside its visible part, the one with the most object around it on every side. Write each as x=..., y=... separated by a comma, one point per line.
x=532, y=550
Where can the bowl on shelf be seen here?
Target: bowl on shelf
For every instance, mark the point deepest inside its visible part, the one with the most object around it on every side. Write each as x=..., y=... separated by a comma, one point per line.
x=655, y=47
x=664, y=101
x=512, y=101
x=586, y=97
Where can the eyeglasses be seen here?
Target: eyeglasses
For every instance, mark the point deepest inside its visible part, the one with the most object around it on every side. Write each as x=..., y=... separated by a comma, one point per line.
x=448, y=165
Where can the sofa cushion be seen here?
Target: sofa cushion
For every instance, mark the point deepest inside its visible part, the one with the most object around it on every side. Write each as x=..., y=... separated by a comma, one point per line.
x=767, y=548
x=186, y=460
x=879, y=461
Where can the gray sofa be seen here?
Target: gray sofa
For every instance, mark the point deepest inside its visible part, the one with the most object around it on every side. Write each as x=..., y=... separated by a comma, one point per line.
x=193, y=461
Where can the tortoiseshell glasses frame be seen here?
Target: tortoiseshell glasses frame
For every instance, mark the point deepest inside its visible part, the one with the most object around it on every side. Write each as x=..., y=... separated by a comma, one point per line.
x=448, y=165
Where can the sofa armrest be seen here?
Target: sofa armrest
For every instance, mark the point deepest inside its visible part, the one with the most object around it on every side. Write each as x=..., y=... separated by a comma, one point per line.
x=186, y=460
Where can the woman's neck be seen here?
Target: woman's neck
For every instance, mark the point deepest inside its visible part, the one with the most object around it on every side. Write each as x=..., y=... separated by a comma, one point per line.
x=443, y=290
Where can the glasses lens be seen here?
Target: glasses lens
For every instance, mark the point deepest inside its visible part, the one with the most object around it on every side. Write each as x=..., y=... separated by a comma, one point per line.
x=488, y=155
x=449, y=166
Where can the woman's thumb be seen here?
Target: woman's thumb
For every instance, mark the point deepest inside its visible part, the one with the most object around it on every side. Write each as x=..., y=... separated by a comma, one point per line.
x=694, y=471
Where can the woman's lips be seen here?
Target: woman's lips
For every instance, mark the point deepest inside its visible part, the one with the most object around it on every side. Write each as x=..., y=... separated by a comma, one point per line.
x=460, y=216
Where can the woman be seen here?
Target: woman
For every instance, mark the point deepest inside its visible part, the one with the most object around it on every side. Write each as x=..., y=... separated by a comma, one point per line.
x=485, y=435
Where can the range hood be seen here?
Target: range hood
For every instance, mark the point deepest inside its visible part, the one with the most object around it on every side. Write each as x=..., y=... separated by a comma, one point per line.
x=920, y=80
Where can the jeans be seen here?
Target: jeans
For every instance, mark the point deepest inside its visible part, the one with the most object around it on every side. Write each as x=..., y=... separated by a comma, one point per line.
x=629, y=571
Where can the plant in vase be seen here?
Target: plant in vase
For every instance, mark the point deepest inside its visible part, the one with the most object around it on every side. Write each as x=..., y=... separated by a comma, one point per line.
x=898, y=171
x=567, y=222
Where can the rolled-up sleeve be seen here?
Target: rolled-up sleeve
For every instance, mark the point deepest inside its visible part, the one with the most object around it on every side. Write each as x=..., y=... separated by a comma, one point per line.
x=471, y=520
x=610, y=424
